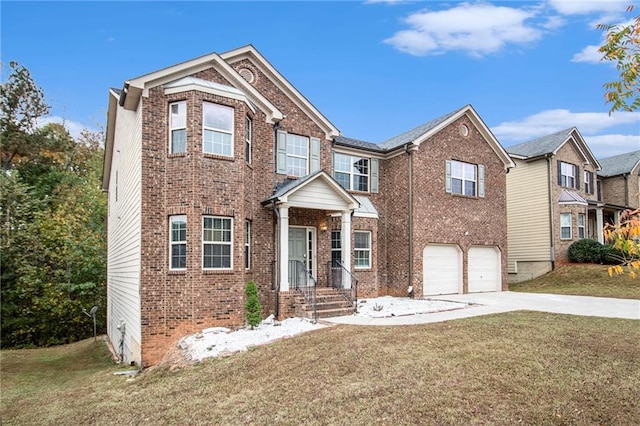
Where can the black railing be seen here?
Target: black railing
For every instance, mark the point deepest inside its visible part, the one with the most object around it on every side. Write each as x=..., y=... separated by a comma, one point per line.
x=336, y=273
x=301, y=279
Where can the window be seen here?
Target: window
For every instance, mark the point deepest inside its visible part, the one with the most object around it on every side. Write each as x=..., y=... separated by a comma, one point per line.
x=336, y=248
x=568, y=175
x=351, y=172
x=217, y=132
x=465, y=179
x=247, y=244
x=362, y=252
x=581, y=233
x=297, y=155
x=565, y=226
x=248, y=135
x=588, y=182
x=177, y=127
x=178, y=242
x=216, y=242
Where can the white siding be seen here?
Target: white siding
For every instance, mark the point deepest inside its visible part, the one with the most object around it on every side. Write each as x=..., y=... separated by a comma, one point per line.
x=317, y=195
x=528, y=222
x=123, y=263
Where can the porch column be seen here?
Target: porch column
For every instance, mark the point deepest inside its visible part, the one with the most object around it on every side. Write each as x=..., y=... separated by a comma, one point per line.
x=599, y=225
x=616, y=217
x=346, y=248
x=283, y=255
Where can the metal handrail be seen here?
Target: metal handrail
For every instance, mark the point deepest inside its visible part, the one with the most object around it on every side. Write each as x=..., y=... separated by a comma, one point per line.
x=352, y=295
x=297, y=269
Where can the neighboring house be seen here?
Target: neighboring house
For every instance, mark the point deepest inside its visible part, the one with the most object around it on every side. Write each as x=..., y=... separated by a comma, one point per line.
x=551, y=201
x=219, y=172
x=618, y=187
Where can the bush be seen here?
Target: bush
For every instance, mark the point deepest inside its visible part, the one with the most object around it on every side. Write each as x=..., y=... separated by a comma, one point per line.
x=253, y=309
x=586, y=251
x=612, y=255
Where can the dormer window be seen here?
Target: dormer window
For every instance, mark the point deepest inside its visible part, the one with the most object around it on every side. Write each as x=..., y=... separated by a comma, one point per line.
x=217, y=132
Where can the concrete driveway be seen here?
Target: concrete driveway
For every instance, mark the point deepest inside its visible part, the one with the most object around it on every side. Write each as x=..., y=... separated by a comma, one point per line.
x=507, y=301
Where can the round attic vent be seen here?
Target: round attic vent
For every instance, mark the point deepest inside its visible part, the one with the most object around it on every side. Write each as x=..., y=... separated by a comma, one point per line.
x=464, y=130
x=247, y=74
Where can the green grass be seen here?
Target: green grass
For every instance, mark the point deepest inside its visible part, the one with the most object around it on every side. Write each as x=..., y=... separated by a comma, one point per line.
x=582, y=280
x=523, y=367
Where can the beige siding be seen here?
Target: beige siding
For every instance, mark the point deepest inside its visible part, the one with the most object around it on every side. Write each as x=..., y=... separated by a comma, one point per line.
x=528, y=227
x=123, y=264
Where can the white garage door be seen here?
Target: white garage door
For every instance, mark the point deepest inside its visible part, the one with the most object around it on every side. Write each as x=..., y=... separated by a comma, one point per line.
x=442, y=269
x=484, y=269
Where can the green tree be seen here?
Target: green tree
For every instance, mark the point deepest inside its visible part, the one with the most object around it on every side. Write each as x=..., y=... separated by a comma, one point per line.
x=622, y=47
x=253, y=309
x=21, y=105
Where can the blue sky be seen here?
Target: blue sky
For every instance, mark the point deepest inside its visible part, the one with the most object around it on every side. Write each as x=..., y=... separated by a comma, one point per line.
x=375, y=69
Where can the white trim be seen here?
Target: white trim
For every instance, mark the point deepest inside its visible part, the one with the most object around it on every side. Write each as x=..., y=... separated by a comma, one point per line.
x=176, y=218
x=369, y=249
x=171, y=128
x=352, y=174
x=214, y=242
x=570, y=226
x=217, y=130
x=314, y=248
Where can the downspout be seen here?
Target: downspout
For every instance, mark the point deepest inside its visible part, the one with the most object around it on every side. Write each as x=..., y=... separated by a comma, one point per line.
x=626, y=190
x=552, y=228
x=276, y=273
x=410, y=148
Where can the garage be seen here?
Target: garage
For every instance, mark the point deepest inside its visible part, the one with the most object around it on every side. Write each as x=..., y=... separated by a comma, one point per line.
x=442, y=269
x=484, y=269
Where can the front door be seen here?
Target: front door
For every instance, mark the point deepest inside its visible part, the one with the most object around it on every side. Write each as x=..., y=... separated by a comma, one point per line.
x=301, y=254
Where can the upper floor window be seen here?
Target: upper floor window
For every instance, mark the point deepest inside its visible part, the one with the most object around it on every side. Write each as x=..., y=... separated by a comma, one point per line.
x=217, y=121
x=362, y=249
x=568, y=175
x=248, y=135
x=565, y=226
x=588, y=182
x=351, y=172
x=216, y=242
x=581, y=225
x=177, y=242
x=297, y=155
x=177, y=127
x=465, y=178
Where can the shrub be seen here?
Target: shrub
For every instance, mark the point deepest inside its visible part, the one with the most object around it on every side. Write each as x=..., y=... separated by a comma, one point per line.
x=252, y=307
x=612, y=255
x=586, y=251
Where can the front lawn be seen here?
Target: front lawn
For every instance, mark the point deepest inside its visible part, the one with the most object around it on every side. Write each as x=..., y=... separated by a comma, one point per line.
x=582, y=280
x=521, y=367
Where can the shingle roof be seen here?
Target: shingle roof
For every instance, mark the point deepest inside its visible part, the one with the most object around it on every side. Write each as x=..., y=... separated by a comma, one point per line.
x=398, y=140
x=541, y=146
x=571, y=197
x=619, y=164
x=416, y=132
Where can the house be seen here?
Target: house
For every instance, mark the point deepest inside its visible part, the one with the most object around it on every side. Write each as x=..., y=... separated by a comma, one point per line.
x=219, y=171
x=551, y=201
x=618, y=187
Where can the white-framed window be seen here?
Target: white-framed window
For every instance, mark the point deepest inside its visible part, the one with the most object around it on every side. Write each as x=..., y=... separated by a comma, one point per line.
x=565, y=226
x=336, y=248
x=362, y=249
x=465, y=178
x=567, y=175
x=297, y=155
x=581, y=226
x=247, y=244
x=248, y=136
x=351, y=172
x=588, y=182
x=217, y=129
x=178, y=242
x=177, y=127
x=217, y=237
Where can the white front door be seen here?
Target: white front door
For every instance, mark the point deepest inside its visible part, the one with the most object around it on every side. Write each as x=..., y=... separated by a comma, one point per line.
x=301, y=249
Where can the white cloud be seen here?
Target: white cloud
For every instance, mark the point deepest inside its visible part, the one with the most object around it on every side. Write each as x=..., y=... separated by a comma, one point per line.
x=604, y=146
x=589, y=54
x=585, y=7
x=478, y=29
x=550, y=121
x=73, y=127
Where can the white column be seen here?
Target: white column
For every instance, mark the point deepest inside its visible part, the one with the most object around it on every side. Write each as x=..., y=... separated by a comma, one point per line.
x=599, y=225
x=616, y=217
x=346, y=248
x=283, y=255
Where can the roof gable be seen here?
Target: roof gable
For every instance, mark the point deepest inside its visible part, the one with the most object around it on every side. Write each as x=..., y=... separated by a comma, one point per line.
x=251, y=53
x=619, y=164
x=551, y=144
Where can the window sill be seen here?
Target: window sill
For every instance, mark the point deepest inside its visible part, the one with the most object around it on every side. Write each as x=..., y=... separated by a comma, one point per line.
x=218, y=157
x=176, y=154
x=217, y=271
x=468, y=197
x=177, y=271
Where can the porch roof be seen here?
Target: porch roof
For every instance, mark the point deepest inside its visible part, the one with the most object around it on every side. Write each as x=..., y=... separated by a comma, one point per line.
x=571, y=197
x=317, y=190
